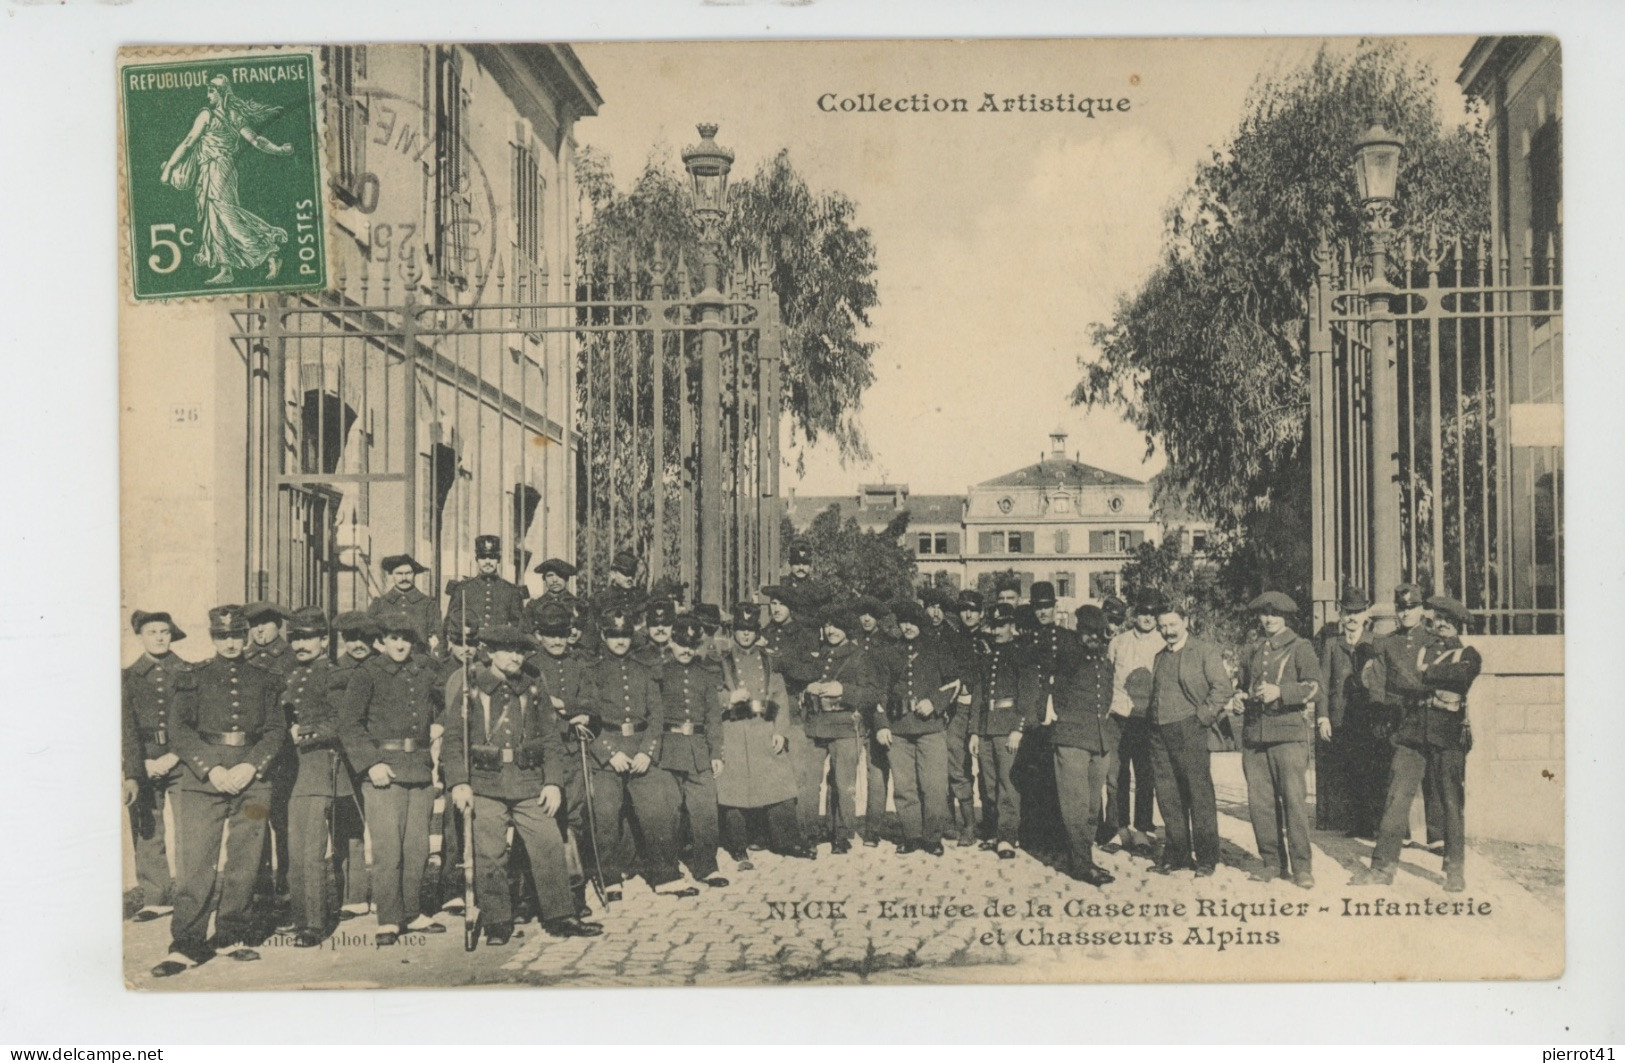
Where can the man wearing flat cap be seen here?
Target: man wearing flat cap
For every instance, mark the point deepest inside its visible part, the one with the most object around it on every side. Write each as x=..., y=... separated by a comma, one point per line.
x=227, y=728
x=1082, y=737
x=322, y=778
x=843, y=689
x=1432, y=740
x=402, y=600
x=266, y=647
x=485, y=598
x=692, y=695
x=1351, y=770
x=150, y=685
x=1280, y=680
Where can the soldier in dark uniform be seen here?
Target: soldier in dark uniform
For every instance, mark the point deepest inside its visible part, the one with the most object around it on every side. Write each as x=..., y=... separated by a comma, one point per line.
x=1005, y=707
x=808, y=594
x=964, y=646
x=842, y=691
x=570, y=693
x=1280, y=679
x=388, y=707
x=403, y=602
x=323, y=777
x=1050, y=650
x=623, y=595
x=655, y=648
x=461, y=646
x=227, y=729
x=358, y=640
x=920, y=688
x=1351, y=769
x=1083, y=736
x=626, y=756
x=790, y=639
x=149, y=703
x=757, y=788
x=1007, y=591
x=879, y=647
x=556, y=576
x=692, y=693
x=938, y=603
x=487, y=599
x=582, y=647
x=268, y=649
x=511, y=774
x=1433, y=738
x=1393, y=681
x=709, y=616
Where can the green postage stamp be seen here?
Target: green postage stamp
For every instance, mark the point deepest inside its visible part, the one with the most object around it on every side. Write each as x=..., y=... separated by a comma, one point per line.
x=223, y=178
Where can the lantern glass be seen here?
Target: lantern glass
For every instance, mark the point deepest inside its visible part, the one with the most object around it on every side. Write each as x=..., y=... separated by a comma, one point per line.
x=710, y=189
x=1376, y=165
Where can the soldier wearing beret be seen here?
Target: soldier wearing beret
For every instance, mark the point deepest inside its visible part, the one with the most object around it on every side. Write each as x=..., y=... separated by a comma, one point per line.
x=510, y=774
x=1130, y=782
x=626, y=759
x=267, y=648
x=388, y=707
x=227, y=729
x=556, y=576
x=692, y=696
x=1280, y=680
x=938, y=603
x=1006, y=696
x=1351, y=770
x=150, y=685
x=789, y=638
x=403, y=602
x=570, y=695
x=485, y=598
x=964, y=644
x=655, y=649
x=911, y=730
x=842, y=691
x=758, y=781
x=1433, y=738
x=1082, y=739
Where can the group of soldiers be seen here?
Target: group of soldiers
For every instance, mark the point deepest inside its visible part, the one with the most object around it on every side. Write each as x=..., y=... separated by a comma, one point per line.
x=571, y=744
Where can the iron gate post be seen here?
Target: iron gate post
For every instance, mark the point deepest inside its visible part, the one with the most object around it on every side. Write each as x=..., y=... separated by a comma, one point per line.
x=1386, y=530
x=710, y=486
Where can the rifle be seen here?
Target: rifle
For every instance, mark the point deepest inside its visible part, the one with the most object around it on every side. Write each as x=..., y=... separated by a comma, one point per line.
x=471, y=911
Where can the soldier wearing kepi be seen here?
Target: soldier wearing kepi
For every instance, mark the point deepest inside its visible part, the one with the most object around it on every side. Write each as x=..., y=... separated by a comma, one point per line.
x=388, y=707
x=657, y=621
x=692, y=694
x=911, y=731
x=809, y=595
x=511, y=774
x=1083, y=739
x=842, y=691
x=1433, y=738
x=461, y=646
x=880, y=651
x=358, y=640
x=149, y=704
x=1393, y=678
x=268, y=648
x=403, y=602
x=1280, y=678
x=965, y=649
x=623, y=595
x=1051, y=650
x=323, y=777
x=227, y=729
x=486, y=599
x=1006, y=698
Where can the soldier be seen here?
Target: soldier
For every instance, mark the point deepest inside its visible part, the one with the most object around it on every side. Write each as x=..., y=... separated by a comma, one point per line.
x=937, y=603
x=1133, y=653
x=1050, y=649
x=655, y=650
x=1393, y=679
x=626, y=755
x=1007, y=590
x=323, y=777
x=510, y=773
x=623, y=593
x=461, y=645
x=149, y=701
x=789, y=640
x=486, y=599
x=758, y=781
x=1433, y=738
x=1082, y=738
x=910, y=730
x=709, y=616
x=358, y=640
x=268, y=649
x=964, y=647
x=227, y=729
x=1281, y=680
x=809, y=595
x=1351, y=770
x=403, y=602
x=842, y=691
x=692, y=693
x=1006, y=701
x=388, y=707
x=569, y=688
x=556, y=576
x=878, y=647
x=1189, y=688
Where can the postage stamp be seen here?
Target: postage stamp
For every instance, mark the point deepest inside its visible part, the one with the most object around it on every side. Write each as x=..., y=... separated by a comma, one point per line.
x=223, y=182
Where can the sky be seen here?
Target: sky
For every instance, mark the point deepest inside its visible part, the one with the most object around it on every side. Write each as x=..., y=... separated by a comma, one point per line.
x=1000, y=238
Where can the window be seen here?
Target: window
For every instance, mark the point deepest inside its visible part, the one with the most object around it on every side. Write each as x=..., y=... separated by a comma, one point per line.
x=1063, y=584
x=1198, y=542
x=1103, y=585
x=1115, y=542
x=933, y=543
x=1063, y=541
x=1006, y=542
x=346, y=66
x=529, y=193
x=453, y=205
x=1545, y=211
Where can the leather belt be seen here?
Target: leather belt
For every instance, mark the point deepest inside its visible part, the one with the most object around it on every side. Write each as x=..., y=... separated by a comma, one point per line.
x=158, y=735
x=687, y=727
x=400, y=745
x=228, y=738
x=633, y=727
x=1002, y=703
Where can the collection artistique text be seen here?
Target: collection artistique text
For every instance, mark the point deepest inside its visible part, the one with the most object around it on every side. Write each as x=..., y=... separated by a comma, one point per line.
x=991, y=103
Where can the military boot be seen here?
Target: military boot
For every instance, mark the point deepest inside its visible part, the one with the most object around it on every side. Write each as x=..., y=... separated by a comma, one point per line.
x=967, y=826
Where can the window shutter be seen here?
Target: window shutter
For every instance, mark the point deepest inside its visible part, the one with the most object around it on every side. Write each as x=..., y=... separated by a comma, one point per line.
x=953, y=542
x=984, y=542
x=1101, y=542
x=1135, y=538
x=1063, y=542
x=1029, y=542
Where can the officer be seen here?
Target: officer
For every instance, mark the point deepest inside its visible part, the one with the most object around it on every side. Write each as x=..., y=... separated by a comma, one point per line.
x=388, y=707
x=692, y=695
x=1351, y=770
x=964, y=648
x=1393, y=679
x=1132, y=652
x=511, y=775
x=402, y=601
x=1280, y=680
x=810, y=595
x=149, y=701
x=878, y=646
x=1005, y=706
x=226, y=729
x=569, y=688
x=358, y=640
x=789, y=640
x=759, y=782
x=623, y=593
x=1432, y=739
x=626, y=755
x=1190, y=687
x=487, y=599
x=842, y=691
x=322, y=778
x=920, y=688
x=655, y=649
x=1082, y=738
x=556, y=576
x=1050, y=649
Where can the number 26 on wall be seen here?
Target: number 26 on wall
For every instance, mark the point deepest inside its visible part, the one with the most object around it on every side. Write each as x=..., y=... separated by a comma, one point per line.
x=162, y=245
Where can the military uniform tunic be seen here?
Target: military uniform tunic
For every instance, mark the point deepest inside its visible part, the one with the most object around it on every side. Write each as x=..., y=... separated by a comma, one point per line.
x=569, y=687
x=1083, y=739
x=1006, y=695
x=692, y=696
x=834, y=726
x=149, y=699
x=919, y=751
x=1275, y=739
x=487, y=600
x=631, y=719
x=410, y=607
x=322, y=777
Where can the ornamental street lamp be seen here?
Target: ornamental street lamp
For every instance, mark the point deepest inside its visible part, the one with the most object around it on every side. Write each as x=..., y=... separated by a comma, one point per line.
x=708, y=164
x=1376, y=172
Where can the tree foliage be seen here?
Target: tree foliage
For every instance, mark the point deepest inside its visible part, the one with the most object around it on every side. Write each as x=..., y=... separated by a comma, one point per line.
x=852, y=561
x=1209, y=357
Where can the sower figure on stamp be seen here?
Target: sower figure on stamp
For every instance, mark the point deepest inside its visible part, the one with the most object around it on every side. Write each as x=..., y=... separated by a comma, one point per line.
x=570, y=695
x=389, y=705
x=227, y=730
x=149, y=705
x=692, y=694
x=1190, y=686
x=759, y=780
x=1130, y=785
x=1084, y=735
x=358, y=641
x=842, y=691
x=511, y=774
x=1280, y=679
x=1006, y=700
x=1433, y=738
x=1351, y=770
x=910, y=729
x=323, y=777
x=402, y=602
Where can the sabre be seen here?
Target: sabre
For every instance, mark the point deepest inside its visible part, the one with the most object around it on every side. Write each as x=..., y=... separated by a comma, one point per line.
x=595, y=873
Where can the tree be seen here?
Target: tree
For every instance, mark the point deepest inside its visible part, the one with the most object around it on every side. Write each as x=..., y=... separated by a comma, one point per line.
x=1216, y=609
x=1209, y=358
x=854, y=562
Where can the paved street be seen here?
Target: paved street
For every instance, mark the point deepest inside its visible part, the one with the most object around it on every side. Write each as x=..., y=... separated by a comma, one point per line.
x=847, y=919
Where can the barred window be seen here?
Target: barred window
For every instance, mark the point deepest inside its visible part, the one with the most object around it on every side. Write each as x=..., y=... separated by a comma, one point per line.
x=453, y=207
x=346, y=68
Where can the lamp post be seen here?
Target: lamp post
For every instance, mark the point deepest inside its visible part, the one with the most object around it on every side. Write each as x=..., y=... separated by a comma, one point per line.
x=708, y=164
x=1376, y=171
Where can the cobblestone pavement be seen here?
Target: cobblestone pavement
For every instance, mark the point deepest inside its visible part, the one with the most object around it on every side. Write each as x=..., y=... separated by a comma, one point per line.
x=872, y=916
